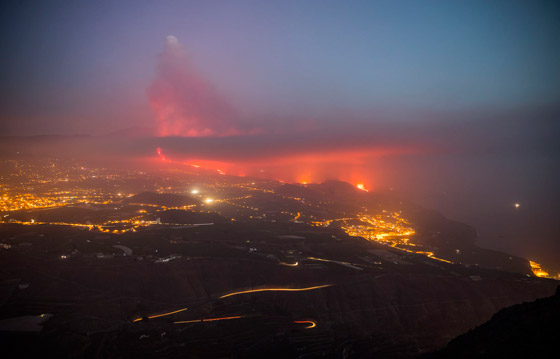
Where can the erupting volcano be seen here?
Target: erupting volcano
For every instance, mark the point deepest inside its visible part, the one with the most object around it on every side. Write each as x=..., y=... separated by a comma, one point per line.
x=278, y=179
x=183, y=103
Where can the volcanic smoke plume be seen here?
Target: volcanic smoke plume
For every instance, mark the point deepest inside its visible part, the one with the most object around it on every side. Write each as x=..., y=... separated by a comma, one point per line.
x=183, y=103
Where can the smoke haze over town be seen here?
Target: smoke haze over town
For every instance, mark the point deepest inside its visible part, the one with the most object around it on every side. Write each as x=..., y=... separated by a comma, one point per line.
x=452, y=106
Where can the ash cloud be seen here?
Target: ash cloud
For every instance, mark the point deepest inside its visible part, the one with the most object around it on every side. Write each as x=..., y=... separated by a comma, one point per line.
x=184, y=103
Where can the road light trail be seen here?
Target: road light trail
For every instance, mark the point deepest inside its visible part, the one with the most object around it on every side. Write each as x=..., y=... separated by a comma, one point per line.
x=275, y=290
x=160, y=315
x=237, y=293
x=209, y=319
x=289, y=264
x=311, y=323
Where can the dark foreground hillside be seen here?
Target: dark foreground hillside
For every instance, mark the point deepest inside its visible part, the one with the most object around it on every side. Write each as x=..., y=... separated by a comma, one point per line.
x=180, y=291
x=527, y=330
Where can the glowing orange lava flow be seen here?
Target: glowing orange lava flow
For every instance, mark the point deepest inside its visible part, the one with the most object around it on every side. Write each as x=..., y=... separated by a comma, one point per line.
x=362, y=187
x=204, y=164
x=160, y=315
x=209, y=319
x=312, y=323
x=302, y=168
x=275, y=290
x=160, y=154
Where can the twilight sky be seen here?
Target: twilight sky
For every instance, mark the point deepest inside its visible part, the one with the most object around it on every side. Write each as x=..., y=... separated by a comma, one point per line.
x=85, y=66
x=454, y=103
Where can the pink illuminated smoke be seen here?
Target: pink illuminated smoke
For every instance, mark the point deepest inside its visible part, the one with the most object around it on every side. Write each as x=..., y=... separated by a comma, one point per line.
x=184, y=104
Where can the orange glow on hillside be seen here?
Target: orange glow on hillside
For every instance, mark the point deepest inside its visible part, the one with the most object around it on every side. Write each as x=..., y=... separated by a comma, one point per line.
x=218, y=166
x=364, y=167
